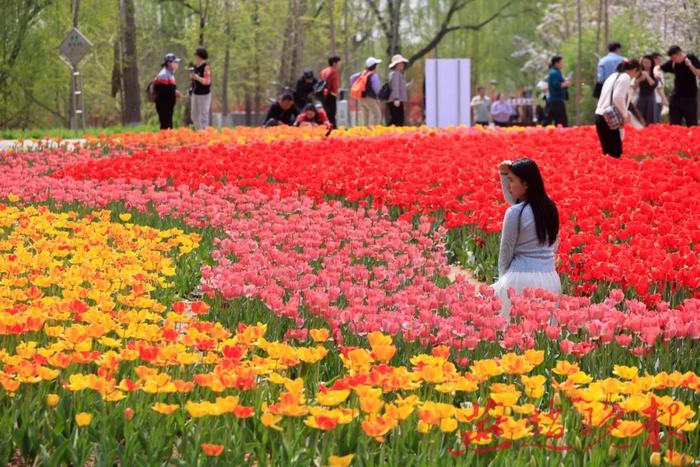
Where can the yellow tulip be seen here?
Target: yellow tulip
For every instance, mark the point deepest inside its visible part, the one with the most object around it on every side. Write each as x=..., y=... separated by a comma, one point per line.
x=83, y=419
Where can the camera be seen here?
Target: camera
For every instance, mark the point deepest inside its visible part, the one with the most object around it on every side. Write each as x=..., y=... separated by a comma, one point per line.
x=191, y=67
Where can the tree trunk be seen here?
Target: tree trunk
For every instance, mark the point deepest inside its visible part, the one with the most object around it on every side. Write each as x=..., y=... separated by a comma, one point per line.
x=331, y=26
x=131, y=111
x=285, y=64
x=346, y=35
x=579, y=59
x=599, y=23
x=227, y=63
x=606, y=27
x=298, y=57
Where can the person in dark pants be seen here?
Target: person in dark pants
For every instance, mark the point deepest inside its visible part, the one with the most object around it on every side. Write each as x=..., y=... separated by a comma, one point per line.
x=331, y=75
x=166, y=91
x=615, y=92
x=684, y=98
x=304, y=91
x=558, y=92
x=399, y=91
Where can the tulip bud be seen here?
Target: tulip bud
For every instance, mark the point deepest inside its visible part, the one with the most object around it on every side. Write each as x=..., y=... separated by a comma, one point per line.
x=578, y=443
x=655, y=458
x=533, y=461
x=612, y=451
x=556, y=400
x=52, y=400
x=128, y=414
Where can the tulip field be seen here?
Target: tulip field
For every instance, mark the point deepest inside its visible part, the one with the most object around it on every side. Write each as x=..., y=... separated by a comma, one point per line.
x=283, y=297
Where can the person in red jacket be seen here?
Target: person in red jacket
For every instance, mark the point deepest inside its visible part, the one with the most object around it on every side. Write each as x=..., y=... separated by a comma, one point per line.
x=311, y=116
x=331, y=75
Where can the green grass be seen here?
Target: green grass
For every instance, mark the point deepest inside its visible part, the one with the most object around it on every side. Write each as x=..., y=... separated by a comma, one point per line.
x=65, y=133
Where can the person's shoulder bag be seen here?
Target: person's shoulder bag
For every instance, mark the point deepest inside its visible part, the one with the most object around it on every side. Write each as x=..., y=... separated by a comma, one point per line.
x=612, y=115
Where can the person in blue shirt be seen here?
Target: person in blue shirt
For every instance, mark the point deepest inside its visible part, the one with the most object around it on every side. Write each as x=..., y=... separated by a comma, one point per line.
x=530, y=235
x=558, y=93
x=607, y=66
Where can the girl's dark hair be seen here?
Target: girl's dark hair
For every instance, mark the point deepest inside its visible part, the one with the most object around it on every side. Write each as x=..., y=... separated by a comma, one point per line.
x=202, y=53
x=651, y=61
x=312, y=107
x=627, y=65
x=333, y=59
x=544, y=209
x=556, y=59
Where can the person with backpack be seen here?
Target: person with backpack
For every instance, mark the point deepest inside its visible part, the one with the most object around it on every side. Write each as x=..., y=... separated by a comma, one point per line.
x=399, y=92
x=200, y=74
x=304, y=90
x=329, y=94
x=365, y=87
x=165, y=90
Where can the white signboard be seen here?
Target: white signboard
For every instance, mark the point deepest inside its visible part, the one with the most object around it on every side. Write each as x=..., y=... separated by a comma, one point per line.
x=447, y=92
x=75, y=47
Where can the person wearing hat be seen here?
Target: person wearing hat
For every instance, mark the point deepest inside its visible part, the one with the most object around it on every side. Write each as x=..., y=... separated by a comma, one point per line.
x=200, y=74
x=369, y=103
x=399, y=91
x=165, y=87
x=305, y=89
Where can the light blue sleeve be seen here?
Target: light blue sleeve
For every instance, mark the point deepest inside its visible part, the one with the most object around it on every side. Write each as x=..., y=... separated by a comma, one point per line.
x=376, y=83
x=601, y=70
x=509, y=237
x=506, y=193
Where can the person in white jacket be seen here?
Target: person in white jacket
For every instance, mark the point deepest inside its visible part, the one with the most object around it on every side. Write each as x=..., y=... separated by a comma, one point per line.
x=615, y=92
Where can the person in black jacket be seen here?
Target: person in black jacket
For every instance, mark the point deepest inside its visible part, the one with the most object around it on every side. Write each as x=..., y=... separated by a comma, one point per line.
x=165, y=87
x=305, y=88
x=200, y=74
x=281, y=112
x=684, y=98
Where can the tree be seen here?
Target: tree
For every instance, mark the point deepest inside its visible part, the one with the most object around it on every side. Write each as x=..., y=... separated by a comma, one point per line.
x=17, y=19
x=131, y=110
x=390, y=19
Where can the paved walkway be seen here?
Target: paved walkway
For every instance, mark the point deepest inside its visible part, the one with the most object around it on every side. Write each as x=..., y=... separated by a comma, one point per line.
x=31, y=145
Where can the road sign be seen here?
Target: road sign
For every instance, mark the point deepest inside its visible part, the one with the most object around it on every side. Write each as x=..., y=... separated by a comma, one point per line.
x=75, y=47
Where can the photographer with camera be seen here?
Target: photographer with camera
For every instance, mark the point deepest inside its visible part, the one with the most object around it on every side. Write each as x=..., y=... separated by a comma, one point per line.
x=200, y=91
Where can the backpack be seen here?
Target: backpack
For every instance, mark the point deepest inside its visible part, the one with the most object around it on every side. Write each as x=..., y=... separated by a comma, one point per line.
x=385, y=92
x=151, y=94
x=359, y=87
x=320, y=88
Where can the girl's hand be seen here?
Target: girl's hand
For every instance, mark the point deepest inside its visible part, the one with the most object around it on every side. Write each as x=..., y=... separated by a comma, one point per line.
x=504, y=167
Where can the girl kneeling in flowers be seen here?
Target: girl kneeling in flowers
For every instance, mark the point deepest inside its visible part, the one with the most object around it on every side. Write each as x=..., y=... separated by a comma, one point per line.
x=529, y=238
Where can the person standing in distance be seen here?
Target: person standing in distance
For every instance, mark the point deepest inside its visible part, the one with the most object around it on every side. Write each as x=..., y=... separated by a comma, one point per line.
x=331, y=75
x=481, y=106
x=607, y=66
x=165, y=88
x=399, y=91
x=683, y=104
x=558, y=92
x=201, y=89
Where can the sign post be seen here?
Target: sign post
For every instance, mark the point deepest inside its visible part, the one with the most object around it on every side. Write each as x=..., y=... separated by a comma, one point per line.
x=73, y=49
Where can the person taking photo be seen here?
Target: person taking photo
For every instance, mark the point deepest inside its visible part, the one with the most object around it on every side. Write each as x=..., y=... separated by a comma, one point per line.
x=683, y=104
